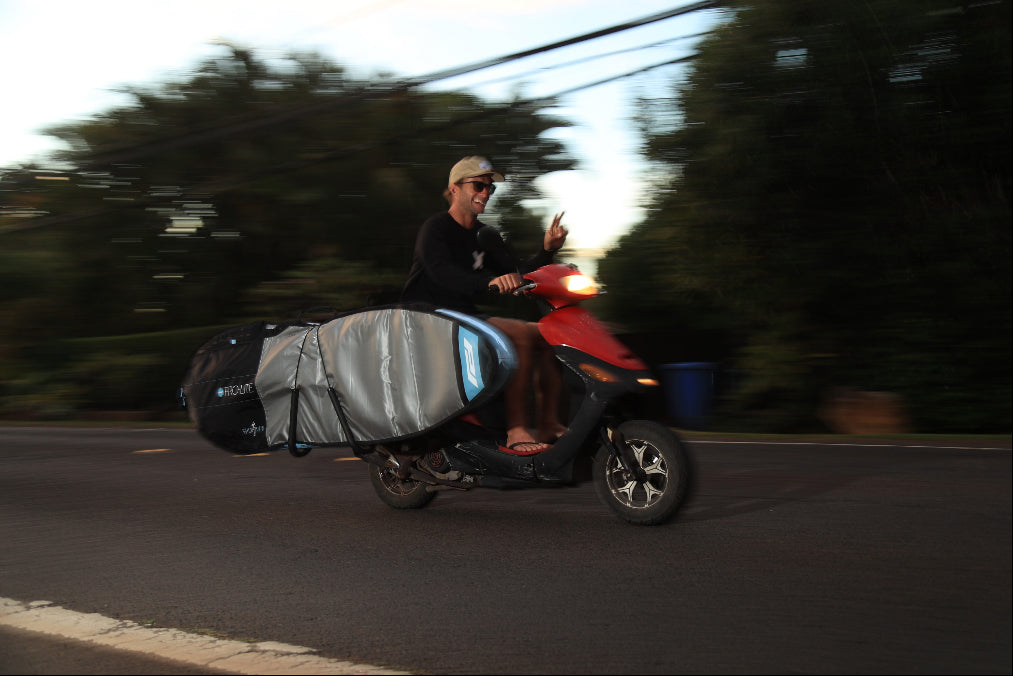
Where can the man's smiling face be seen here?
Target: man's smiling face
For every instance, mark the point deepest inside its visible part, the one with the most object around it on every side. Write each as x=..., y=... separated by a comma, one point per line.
x=472, y=196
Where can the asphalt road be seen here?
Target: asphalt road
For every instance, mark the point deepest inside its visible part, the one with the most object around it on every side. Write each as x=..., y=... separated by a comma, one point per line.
x=827, y=556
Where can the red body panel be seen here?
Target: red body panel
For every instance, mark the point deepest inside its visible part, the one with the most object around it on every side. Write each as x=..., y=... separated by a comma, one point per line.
x=577, y=328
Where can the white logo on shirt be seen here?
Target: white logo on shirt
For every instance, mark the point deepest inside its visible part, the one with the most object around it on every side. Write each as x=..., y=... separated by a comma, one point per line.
x=479, y=256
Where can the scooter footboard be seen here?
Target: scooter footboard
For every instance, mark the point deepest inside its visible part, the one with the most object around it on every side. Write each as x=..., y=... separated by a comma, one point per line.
x=556, y=463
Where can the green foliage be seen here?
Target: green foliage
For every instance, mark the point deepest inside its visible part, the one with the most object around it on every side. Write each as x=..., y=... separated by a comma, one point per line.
x=328, y=282
x=230, y=177
x=66, y=377
x=246, y=189
x=837, y=188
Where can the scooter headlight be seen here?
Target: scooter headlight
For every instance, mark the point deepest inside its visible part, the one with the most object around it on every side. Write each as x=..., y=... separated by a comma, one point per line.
x=581, y=285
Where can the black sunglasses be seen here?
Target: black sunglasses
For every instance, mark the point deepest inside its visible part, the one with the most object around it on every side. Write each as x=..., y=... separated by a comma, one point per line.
x=479, y=186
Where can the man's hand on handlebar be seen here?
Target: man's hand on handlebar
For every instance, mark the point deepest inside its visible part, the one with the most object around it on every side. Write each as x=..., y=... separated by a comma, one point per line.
x=507, y=283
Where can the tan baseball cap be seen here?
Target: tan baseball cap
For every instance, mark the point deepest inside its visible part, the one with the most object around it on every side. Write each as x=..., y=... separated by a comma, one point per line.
x=472, y=166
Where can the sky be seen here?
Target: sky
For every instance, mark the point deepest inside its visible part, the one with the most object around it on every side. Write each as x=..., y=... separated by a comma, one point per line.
x=64, y=59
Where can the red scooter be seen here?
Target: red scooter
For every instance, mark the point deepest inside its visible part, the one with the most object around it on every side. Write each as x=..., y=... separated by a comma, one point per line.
x=640, y=469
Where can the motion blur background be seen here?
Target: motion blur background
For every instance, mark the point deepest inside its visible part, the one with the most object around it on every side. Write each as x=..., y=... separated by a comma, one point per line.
x=816, y=204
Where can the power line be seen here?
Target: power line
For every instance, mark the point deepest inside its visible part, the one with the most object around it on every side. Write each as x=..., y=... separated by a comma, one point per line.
x=404, y=86
x=489, y=63
x=346, y=151
x=594, y=57
x=134, y=153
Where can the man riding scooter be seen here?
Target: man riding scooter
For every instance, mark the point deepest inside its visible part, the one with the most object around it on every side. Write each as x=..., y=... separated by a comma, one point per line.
x=451, y=269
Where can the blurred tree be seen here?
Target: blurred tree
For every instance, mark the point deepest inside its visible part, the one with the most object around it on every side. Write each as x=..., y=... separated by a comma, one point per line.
x=205, y=196
x=248, y=168
x=836, y=183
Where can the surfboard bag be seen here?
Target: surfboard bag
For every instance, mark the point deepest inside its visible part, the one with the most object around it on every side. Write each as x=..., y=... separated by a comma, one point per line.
x=373, y=376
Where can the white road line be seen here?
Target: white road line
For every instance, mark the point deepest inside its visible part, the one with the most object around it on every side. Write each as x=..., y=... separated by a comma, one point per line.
x=267, y=657
x=837, y=443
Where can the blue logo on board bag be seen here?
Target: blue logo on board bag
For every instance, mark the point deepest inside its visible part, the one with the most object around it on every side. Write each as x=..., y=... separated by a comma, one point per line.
x=234, y=390
x=471, y=371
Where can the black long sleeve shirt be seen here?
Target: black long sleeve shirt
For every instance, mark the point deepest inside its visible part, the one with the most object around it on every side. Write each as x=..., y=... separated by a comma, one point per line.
x=450, y=269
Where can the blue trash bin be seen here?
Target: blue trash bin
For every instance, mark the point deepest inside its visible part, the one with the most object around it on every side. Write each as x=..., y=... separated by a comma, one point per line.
x=689, y=392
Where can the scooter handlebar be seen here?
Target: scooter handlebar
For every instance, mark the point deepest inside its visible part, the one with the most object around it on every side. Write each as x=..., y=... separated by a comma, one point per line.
x=520, y=290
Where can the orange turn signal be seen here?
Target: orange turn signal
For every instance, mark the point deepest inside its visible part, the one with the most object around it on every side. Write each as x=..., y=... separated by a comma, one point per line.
x=597, y=373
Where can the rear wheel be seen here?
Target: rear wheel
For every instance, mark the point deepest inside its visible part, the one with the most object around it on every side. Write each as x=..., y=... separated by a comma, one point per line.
x=397, y=492
x=659, y=483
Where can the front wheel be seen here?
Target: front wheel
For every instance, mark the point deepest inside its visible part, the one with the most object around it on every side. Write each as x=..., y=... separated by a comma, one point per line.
x=397, y=492
x=656, y=489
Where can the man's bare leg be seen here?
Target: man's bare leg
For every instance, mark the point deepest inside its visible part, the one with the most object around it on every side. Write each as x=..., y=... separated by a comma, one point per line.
x=515, y=395
x=550, y=384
